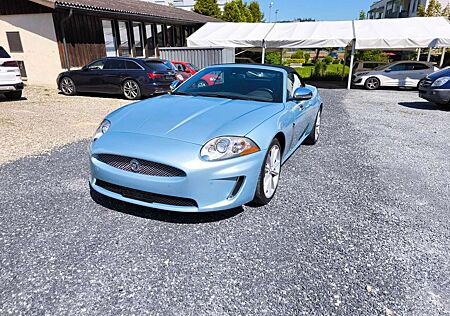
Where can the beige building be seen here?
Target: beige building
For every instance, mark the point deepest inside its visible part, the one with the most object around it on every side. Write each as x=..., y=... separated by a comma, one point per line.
x=49, y=36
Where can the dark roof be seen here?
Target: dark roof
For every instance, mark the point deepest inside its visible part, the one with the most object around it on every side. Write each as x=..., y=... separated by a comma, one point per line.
x=135, y=7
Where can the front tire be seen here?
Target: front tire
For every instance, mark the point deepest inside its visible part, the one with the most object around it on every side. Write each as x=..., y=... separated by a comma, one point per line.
x=372, y=83
x=15, y=95
x=131, y=90
x=67, y=86
x=313, y=137
x=269, y=176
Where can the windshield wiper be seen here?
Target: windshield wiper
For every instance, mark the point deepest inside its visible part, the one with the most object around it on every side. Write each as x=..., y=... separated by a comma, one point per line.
x=226, y=96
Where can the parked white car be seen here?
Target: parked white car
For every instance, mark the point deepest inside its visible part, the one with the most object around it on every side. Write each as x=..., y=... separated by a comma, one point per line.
x=398, y=74
x=11, y=84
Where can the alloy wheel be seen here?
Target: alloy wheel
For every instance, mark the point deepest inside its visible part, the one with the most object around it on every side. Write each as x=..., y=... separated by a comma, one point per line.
x=272, y=171
x=67, y=86
x=372, y=83
x=317, y=127
x=131, y=90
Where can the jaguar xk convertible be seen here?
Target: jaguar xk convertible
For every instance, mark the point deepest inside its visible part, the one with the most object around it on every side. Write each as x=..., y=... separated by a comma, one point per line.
x=206, y=147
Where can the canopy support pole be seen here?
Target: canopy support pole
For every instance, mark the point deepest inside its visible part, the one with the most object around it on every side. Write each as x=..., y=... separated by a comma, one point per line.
x=345, y=62
x=429, y=55
x=352, y=60
x=442, y=57
x=263, y=52
x=419, y=51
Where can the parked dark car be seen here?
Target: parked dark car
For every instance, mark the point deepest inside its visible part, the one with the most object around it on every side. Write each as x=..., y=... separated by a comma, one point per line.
x=132, y=77
x=436, y=87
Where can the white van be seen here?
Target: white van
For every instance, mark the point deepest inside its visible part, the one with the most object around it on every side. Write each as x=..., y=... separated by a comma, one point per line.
x=11, y=84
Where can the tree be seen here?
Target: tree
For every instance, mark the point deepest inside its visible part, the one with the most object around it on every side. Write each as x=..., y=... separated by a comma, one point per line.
x=446, y=11
x=236, y=11
x=239, y=11
x=434, y=8
x=421, y=10
x=273, y=58
x=298, y=54
x=255, y=10
x=208, y=7
x=362, y=15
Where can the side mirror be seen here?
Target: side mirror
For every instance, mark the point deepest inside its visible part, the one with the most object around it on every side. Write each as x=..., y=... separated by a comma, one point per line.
x=302, y=94
x=174, y=84
x=388, y=70
x=85, y=68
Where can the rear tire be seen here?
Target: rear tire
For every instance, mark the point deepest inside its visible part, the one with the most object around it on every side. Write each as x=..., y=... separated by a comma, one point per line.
x=67, y=86
x=131, y=90
x=313, y=137
x=372, y=83
x=269, y=176
x=14, y=95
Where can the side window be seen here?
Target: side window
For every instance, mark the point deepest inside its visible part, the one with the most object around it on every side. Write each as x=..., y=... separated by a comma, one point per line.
x=132, y=65
x=419, y=66
x=399, y=67
x=114, y=64
x=180, y=67
x=96, y=65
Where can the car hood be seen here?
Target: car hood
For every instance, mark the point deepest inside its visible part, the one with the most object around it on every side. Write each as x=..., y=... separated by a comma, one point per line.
x=192, y=119
x=441, y=73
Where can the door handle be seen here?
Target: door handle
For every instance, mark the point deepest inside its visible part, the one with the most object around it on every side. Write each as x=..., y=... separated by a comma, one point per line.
x=299, y=106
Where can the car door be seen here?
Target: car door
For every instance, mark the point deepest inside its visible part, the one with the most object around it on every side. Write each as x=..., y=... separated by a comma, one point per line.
x=300, y=119
x=395, y=76
x=115, y=71
x=88, y=78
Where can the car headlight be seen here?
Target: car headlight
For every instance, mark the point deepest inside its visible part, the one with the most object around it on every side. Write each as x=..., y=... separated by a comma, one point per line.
x=101, y=130
x=440, y=82
x=227, y=147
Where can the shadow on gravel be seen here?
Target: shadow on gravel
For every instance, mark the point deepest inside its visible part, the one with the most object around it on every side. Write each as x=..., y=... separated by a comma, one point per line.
x=161, y=215
x=107, y=96
x=424, y=106
x=4, y=99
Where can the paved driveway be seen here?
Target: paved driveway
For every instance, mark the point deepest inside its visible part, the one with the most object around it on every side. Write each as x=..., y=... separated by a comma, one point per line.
x=360, y=226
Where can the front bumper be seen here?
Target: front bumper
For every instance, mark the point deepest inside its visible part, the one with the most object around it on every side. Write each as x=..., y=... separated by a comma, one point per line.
x=210, y=184
x=441, y=96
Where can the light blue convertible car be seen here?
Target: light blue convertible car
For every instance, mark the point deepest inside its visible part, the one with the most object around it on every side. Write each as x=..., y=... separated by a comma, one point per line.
x=217, y=142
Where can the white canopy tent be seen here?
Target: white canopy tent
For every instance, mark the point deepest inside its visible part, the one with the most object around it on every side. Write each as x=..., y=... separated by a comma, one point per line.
x=419, y=32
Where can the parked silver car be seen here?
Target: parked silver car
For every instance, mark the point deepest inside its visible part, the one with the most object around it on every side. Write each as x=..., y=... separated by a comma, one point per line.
x=398, y=74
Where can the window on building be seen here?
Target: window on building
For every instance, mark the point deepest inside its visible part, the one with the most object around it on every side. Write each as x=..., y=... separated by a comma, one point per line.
x=170, y=39
x=151, y=40
x=14, y=41
x=178, y=36
x=160, y=36
x=124, y=47
x=138, y=40
x=110, y=38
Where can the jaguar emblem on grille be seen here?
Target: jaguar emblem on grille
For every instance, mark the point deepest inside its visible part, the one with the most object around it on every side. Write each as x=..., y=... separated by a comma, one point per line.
x=135, y=165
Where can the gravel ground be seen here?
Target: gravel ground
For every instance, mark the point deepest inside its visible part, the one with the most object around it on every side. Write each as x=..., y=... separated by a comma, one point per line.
x=44, y=120
x=359, y=226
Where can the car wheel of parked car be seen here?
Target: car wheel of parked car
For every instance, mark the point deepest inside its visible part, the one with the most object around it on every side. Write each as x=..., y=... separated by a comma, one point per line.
x=314, y=136
x=131, y=90
x=15, y=95
x=372, y=83
x=269, y=176
x=67, y=86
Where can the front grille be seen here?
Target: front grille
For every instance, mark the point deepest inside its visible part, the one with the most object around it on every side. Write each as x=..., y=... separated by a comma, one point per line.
x=426, y=83
x=140, y=166
x=146, y=196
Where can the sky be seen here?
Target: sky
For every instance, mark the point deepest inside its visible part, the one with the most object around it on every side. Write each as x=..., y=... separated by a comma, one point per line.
x=324, y=10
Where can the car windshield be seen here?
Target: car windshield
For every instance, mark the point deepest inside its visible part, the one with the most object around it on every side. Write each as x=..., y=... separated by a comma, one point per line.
x=170, y=65
x=3, y=53
x=193, y=67
x=235, y=83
